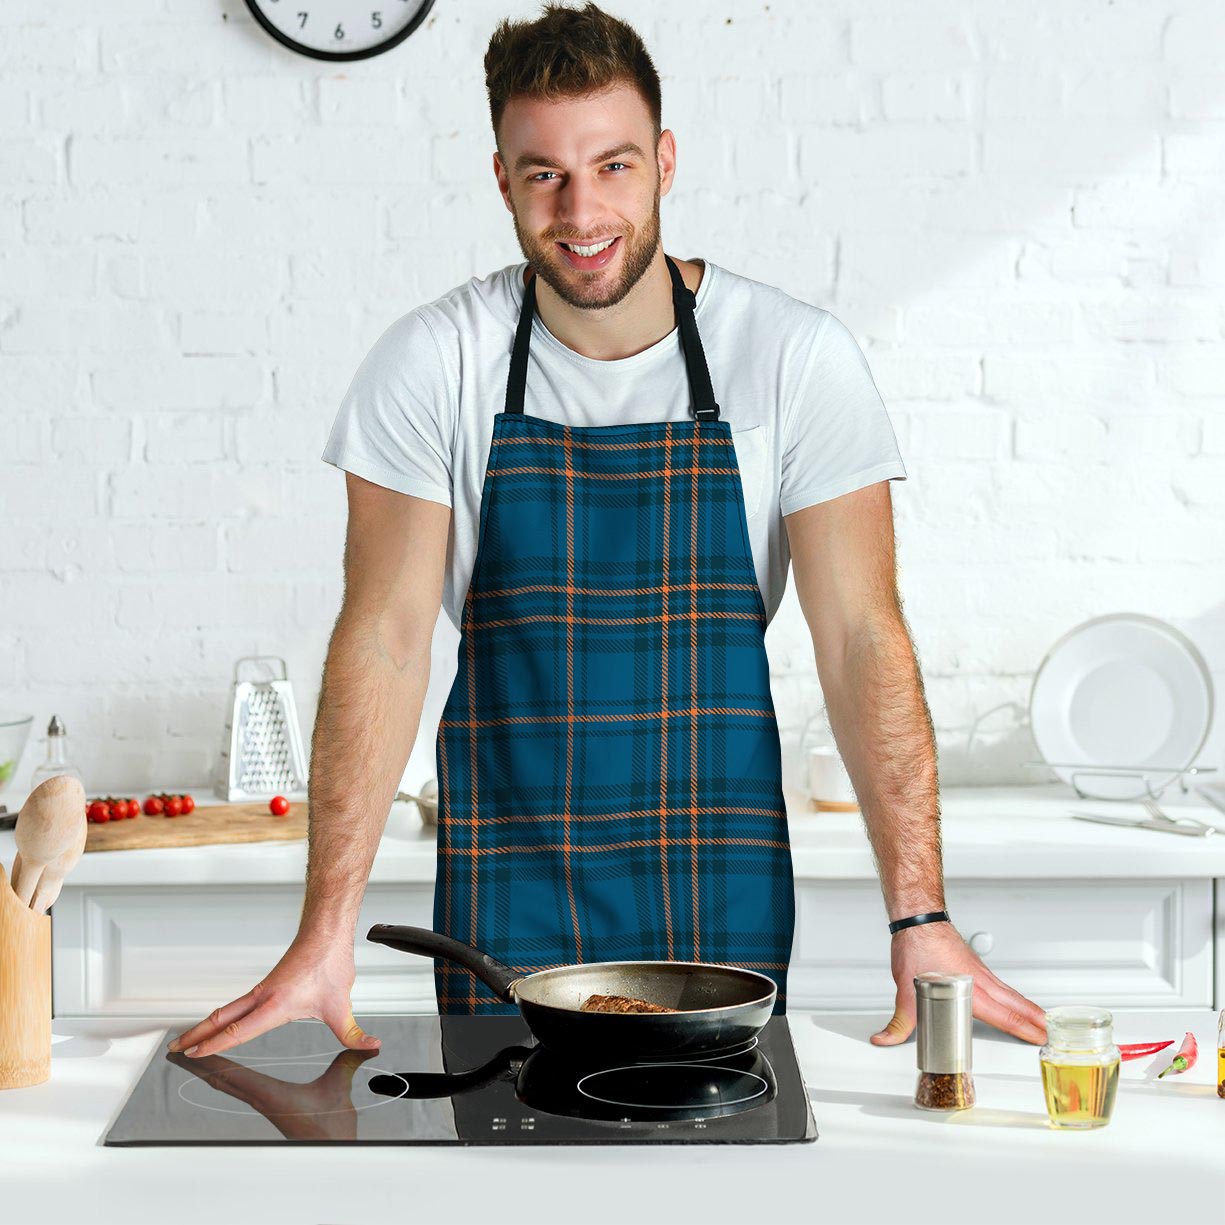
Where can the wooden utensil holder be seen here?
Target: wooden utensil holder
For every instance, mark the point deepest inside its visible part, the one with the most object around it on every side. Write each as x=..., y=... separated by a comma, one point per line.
x=25, y=992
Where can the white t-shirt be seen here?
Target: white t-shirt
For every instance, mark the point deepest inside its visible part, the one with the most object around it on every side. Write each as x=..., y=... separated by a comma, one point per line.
x=807, y=421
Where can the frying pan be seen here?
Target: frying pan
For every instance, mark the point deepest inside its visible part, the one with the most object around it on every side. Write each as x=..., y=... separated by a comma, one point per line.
x=718, y=1006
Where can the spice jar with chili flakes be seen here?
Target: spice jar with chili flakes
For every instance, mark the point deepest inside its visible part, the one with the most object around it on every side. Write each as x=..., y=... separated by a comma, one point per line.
x=944, y=1017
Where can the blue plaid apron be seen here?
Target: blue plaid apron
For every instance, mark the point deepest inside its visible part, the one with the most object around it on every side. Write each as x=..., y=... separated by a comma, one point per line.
x=609, y=774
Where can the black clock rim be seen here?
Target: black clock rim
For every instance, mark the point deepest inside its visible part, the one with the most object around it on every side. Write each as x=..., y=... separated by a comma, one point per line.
x=339, y=56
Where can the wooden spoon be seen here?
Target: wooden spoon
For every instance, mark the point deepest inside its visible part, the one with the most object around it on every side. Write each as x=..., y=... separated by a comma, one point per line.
x=50, y=836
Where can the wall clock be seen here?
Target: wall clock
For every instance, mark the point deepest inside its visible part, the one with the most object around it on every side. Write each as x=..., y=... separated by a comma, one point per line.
x=340, y=29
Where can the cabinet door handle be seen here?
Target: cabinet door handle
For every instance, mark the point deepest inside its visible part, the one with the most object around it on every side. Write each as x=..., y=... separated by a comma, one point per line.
x=982, y=943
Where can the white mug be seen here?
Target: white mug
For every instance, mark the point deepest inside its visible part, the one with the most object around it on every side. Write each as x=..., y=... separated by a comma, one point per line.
x=829, y=785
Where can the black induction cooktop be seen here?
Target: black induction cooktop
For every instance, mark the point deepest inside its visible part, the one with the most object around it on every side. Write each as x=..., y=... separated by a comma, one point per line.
x=462, y=1080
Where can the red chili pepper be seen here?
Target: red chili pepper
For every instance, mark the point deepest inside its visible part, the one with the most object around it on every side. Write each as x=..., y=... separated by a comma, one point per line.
x=1185, y=1058
x=1137, y=1050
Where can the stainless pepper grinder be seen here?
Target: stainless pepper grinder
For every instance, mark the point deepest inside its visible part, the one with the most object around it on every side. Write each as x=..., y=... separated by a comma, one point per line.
x=944, y=1019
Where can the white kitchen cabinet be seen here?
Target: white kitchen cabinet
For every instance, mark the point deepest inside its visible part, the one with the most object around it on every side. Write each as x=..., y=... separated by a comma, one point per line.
x=183, y=950
x=1219, y=944
x=1065, y=911
x=1119, y=943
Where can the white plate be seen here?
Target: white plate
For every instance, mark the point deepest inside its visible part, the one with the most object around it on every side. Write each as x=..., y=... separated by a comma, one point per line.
x=1124, y=691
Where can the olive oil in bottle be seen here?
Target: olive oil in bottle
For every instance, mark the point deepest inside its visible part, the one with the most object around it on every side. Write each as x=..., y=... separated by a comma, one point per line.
x=1079, y=1095
x=1220, y=1055
x=1080, y=1067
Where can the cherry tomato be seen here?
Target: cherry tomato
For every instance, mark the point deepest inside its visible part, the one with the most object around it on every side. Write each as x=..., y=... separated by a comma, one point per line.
x=119, y=810
x=98, y=811
x=133, y=807
x=278, y=805
x=153, y=806
x=174, y=806
x=188, y=804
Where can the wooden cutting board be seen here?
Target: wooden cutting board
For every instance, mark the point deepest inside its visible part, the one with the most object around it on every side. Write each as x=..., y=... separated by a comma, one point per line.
x=208, y=823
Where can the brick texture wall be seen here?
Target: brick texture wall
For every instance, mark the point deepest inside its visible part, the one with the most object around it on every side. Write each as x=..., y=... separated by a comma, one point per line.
x=1016, y=208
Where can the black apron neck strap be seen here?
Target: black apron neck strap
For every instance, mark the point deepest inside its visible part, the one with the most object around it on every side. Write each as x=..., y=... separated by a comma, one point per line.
x=516, y=383
x=701, y=392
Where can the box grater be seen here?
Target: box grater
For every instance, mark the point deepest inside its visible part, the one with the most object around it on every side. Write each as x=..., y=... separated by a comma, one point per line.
x=261, y=751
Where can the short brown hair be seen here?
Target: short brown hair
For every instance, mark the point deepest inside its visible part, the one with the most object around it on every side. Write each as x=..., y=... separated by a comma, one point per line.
x=565, y=53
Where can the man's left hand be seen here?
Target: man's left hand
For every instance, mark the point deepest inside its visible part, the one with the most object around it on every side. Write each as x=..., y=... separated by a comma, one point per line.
x=939, y=947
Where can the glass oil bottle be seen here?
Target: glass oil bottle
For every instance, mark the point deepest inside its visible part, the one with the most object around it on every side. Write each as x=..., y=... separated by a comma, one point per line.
x=1220, y=1055
x=1080, y=1067
x=57, y=755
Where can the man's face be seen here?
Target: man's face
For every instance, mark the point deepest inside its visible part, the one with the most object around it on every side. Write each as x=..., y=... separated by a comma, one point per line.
x=580, y=171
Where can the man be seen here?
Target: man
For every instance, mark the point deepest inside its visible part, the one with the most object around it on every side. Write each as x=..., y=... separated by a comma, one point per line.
x=599, y=462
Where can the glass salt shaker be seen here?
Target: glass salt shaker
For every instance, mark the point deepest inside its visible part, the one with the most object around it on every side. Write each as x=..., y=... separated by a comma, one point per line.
x=944, y=1020
x=57, y=756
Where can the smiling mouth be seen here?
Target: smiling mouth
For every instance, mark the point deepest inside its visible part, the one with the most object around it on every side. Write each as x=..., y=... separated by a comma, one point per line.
x=600, y=257
x=590, y=255
x=589, y=248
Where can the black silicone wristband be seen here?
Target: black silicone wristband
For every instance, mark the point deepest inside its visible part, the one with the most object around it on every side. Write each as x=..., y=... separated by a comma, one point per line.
x=915, y=920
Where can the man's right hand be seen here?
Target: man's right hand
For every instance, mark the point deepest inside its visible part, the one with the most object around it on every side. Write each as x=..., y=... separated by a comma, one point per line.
x=311, y=980
x=374, y=683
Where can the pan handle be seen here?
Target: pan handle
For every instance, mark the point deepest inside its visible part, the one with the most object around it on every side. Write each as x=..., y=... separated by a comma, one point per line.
x=448, y=1084
x=429, y=943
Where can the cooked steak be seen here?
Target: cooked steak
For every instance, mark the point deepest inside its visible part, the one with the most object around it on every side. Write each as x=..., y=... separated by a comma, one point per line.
x=620, y=1003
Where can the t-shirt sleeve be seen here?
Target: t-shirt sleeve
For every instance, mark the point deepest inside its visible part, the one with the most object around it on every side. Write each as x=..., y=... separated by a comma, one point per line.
x=396, y=423
x=837, y=436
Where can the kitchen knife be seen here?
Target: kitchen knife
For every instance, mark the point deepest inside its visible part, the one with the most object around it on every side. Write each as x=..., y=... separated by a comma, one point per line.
x=1186, y=827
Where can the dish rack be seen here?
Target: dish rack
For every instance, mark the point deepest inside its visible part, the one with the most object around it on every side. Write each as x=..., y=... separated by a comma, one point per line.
x=1139, y=775
x=1082, y=772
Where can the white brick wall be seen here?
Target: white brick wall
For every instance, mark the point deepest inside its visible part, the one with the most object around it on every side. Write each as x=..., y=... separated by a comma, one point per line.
x=1016, y=208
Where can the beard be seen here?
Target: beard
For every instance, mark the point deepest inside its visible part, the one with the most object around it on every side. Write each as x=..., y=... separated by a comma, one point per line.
x=593, y=290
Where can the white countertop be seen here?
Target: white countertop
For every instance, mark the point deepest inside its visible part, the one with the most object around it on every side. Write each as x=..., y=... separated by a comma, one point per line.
x=877, y=1159
x=988, y=833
